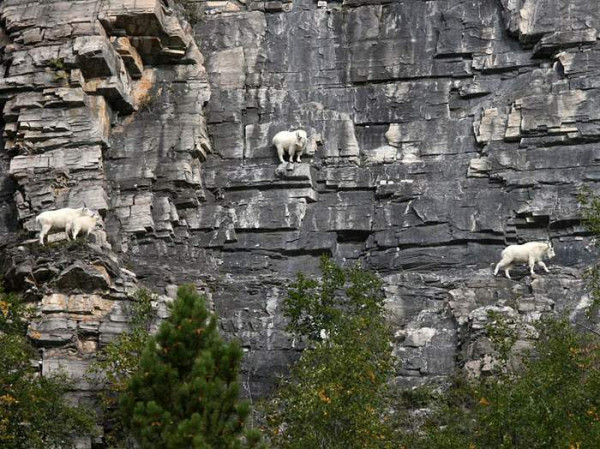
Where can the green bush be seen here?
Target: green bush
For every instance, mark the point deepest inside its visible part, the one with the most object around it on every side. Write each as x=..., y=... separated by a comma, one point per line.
x=590, y=211
x=33, y=411
x=553, y=403
x=119, y=359
x=337, y=395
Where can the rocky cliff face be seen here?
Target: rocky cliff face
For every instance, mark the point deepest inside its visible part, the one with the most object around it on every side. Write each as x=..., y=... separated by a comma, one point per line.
x=439, y=131
x=102, y=106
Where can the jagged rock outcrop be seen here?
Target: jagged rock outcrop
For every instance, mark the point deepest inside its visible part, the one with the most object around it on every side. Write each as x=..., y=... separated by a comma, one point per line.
x=81, y=82
x=439, y=132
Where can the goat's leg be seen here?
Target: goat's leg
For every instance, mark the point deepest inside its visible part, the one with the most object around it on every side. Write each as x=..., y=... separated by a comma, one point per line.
x=280, y=153
x=76, y=230
x=543, y=265
x=498, y=266
x=531, y=265
x=504, y=262
x=68, y=228
x=45, y=229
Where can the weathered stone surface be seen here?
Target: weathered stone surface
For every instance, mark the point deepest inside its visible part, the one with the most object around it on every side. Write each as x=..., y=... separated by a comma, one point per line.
x=440, y=131
x=460, y=139
x=81, y=276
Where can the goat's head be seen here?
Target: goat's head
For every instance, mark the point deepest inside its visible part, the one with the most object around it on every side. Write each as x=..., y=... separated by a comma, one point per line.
x=301, y=137
x=550, y=251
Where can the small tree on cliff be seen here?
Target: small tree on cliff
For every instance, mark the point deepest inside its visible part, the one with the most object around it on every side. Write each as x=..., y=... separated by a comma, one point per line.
x=337, y=394
x=590, y=211
x=118, y=361
x=185, y=394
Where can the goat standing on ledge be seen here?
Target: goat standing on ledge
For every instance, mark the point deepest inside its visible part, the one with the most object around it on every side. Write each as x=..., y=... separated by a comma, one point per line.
x=83, y=223
x=292, y=142
x=530, y=253
x=61, y=219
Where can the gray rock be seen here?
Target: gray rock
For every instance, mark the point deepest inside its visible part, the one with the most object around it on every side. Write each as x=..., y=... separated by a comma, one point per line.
x=80, y=276
x=439, y=133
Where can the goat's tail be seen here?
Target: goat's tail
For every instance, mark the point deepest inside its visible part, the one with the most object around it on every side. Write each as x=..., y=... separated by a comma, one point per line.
x=37, y=222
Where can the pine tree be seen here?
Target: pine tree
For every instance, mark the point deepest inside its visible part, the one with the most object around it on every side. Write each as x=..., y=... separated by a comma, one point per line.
x=185, y=394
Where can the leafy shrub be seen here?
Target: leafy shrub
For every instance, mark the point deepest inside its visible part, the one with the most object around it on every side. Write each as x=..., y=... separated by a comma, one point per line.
x=33, y=411
x=337, y=393
x=119, y=360
x=553, y=403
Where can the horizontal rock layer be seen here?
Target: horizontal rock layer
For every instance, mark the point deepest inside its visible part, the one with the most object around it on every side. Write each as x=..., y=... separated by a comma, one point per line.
x=439, y=131
x=81, y=82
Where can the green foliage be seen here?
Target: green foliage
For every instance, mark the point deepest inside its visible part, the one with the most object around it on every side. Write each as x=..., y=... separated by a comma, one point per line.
x=33, y=411
x=590, y=209
x=592, y=279
x=590, y=212
x=61, y=75
x=502, y=334
x=58, y=65
x=119, y=360
x=185, y=392
x=337, y=393
x=553, y=403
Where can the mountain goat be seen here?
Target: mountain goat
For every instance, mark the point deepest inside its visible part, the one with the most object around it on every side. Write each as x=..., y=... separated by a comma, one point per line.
x=59, y=219
x=294, y=142
x=85, y=223
x=530, y=253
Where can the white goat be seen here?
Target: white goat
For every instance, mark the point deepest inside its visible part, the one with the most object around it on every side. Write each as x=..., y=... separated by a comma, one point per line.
x=530, y=253
x=292, y=142
x=58, y=219
x=85, y=223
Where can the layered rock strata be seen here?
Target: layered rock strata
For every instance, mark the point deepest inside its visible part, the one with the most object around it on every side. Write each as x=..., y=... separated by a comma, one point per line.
x=80, y=86
x=442, y=131
x=439, y=131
